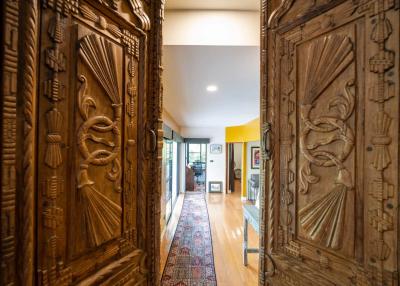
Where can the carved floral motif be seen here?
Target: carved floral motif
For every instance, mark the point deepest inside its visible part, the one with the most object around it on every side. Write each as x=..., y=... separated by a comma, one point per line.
x=323, y=218
x=327, y=153
x=287, y=104
x=102, y=216
x=137, y=9
x=62, y=7
x=53, y=153
x=380, y=188
x=131, y=43
x=111, y=3
x=100, y=21
x=36, y=154
x=52, y=271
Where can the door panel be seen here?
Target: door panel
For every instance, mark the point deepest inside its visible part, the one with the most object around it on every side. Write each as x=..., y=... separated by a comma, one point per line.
x=86, y=135
x=91, y=69
x=330, y=202
x=327, y=138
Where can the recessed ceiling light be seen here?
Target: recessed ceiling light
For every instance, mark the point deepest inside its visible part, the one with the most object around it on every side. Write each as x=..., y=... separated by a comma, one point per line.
x=212, y=88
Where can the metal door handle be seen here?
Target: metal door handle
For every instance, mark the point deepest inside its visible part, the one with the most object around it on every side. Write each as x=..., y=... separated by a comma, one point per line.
x=273, y=270
x=267, y=140
x=154, y=140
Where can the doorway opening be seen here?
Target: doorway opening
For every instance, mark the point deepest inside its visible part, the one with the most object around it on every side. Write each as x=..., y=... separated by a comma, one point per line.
x=196, y=161
x=234, y=167
x=212, y=99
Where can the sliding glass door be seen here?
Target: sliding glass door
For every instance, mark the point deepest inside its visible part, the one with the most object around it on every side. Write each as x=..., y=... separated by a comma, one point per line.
x=168, y=176
x=175, y=173
x=171, y=163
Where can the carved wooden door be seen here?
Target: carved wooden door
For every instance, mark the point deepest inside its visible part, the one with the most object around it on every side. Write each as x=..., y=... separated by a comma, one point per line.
x=332, y=151
x=90, y=109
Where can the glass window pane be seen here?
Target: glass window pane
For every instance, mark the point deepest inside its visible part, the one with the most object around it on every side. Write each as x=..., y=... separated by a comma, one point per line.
x=203, y=152
x=194, y=157
x=194, y=148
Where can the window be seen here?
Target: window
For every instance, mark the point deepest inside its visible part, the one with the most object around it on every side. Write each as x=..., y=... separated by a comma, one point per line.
x=196, y=153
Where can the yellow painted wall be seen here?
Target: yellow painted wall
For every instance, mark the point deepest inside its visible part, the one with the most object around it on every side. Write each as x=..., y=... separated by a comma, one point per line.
x=244, y=170
x=244, y=133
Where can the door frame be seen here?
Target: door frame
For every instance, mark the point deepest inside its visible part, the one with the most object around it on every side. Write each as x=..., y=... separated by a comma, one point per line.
x=267, y=6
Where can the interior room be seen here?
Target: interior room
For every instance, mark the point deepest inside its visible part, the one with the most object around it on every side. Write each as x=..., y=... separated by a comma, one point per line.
x=211, y=99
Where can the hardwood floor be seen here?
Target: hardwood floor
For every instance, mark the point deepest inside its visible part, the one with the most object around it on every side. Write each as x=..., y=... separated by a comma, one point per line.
x=226, y=219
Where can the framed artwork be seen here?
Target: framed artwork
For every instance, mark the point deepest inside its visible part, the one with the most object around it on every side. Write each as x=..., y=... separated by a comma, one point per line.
x=255, y=157
x=215, y=148
x=215, y=187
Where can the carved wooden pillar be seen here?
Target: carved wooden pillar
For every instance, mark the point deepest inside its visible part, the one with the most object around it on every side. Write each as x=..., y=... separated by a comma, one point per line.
x=9, y=71
x=156, y=134
x=28, y=94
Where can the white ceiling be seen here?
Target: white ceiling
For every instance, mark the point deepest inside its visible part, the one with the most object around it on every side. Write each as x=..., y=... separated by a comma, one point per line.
x=214, y=4
x=188, y=71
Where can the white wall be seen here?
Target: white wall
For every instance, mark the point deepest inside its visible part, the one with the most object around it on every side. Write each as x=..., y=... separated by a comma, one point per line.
x=170, y=121
x=215, y=162
x=244, y=5
x=212, y=28
x=248, y=164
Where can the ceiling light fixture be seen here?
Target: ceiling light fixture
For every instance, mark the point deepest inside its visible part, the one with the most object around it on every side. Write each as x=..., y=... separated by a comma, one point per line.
x=212, y=88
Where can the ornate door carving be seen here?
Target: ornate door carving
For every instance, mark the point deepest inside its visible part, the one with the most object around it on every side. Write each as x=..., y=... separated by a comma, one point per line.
x=332, y=178
x=87, y=181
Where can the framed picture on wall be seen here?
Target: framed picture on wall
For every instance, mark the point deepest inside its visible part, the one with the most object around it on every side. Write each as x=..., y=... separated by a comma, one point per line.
x=215, y=187
x=215, y=148
x=255, y=157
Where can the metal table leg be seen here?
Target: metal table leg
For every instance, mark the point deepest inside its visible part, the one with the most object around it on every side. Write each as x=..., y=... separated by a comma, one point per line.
x=245, y=241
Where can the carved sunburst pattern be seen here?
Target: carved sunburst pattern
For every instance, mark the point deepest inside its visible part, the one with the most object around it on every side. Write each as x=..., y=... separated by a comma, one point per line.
x=328, y=57
x=102, y=216
x=98, y=54
x=323, y=218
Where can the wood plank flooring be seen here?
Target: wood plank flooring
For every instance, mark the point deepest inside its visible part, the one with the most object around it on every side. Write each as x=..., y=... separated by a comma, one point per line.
x=226, y=219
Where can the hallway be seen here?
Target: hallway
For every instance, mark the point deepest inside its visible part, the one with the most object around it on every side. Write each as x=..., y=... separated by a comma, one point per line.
x=226, y=220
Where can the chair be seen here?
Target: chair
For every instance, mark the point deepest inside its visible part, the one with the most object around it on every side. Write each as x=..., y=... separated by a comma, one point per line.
x=189, y=179
x=198, y=170
x=253, y=186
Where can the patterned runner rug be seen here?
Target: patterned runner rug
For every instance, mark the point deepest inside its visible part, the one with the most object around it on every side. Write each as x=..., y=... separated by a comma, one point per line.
x=190, y=260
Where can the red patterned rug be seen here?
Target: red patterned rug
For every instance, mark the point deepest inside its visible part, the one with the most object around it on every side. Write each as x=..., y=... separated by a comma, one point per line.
x=190, y=260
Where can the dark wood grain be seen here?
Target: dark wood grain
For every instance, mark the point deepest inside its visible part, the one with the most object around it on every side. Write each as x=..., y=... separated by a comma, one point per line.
x=331, y=101
x=79, y=205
